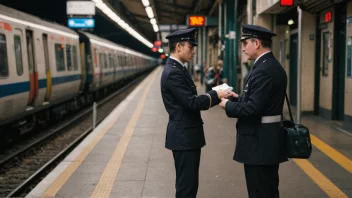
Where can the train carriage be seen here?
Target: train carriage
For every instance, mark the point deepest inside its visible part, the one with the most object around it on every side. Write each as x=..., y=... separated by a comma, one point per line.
x=39, y=63
x=48, y=70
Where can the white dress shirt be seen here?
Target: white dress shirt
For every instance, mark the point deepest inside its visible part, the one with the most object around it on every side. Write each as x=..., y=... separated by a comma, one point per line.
x=177, y=61
x=261, y=56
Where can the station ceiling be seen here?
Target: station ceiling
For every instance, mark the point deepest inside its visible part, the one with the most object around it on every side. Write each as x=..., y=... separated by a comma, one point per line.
x=132, y=11
x=165, y=12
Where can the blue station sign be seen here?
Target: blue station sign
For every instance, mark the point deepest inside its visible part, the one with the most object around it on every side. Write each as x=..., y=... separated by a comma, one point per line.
x=81, y=23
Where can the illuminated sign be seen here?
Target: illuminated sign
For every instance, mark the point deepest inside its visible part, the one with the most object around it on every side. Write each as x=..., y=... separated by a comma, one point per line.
x=80, y=23
x=157, y=43
x=196, y=20
x=286, y=2
x=80, y=8
x=328, y=17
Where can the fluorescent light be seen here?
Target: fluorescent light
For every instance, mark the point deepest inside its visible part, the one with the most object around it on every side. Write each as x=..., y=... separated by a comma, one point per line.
x=153, y=21
x=156, y=28
x=149, y=11
x=113, y=16
x=145, y=3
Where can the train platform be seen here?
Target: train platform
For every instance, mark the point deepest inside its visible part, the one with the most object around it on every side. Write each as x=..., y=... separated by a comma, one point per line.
x=125, y=157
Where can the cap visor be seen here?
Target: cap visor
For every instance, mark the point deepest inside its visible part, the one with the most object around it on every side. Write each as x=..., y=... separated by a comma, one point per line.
x=243, y=38
x=193, y=43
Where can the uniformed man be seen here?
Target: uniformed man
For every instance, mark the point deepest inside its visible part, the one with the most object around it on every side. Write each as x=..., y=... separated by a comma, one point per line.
x=184, y=135
x=260, y=137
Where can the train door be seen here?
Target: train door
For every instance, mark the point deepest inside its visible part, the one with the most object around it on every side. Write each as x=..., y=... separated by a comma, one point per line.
x=33, y=75
x=115, y=66
x=101, y=66
x=47, y=68
x=83, y=64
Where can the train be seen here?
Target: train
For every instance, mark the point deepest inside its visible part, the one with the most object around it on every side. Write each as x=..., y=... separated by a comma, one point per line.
x=47, y=69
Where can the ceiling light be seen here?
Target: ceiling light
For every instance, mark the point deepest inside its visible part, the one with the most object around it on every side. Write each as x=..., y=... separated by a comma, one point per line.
x=156, y=28
x=149, y=11
x=290, y=22
x=113, y=16
x=153, y=21
x=145, y=3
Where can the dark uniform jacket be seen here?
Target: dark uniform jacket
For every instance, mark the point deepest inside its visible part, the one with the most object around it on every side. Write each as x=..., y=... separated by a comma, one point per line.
x=260, y=143
x=185, y=127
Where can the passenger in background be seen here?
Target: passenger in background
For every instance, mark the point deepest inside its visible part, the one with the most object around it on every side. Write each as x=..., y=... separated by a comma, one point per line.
x=184, y=135
x=214, y=77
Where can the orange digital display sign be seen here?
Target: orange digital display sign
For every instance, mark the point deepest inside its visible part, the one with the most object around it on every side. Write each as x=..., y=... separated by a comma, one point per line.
x=196, y=20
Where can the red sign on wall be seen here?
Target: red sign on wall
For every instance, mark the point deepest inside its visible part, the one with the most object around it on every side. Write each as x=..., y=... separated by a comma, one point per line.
x=286, y=2
x=328, y=17
x=196, y=20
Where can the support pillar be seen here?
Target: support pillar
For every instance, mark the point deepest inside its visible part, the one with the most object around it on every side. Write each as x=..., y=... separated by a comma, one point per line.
x=231, y=44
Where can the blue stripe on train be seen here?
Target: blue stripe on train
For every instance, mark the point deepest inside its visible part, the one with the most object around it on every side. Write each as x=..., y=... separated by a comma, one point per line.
x=16, y=88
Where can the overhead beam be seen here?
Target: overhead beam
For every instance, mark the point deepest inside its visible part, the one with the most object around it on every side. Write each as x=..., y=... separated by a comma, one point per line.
x=197, y=6
x=175, y=5
x=215, y=5
x=172, y=12
x=141, y=16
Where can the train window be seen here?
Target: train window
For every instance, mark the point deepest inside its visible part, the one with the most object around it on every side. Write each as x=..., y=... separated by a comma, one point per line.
x=115, y=61
x=69, y=58
x=18, y=54
x=60, y=57
x=111, y=61
x=101, y=60
x=106, y=61
x=74, y=56
x=4, y=68
x=119, y=60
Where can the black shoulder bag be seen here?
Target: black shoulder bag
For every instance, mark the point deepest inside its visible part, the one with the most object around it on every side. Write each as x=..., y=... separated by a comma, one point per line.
x=297, y=138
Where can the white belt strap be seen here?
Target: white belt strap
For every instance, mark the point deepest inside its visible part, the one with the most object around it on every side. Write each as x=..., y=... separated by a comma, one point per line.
x=271, y=119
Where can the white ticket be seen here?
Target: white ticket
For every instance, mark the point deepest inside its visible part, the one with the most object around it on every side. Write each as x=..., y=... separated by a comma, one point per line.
x=223, y=87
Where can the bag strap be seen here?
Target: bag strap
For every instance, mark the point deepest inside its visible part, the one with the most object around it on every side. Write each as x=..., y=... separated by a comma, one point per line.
x=289, y=107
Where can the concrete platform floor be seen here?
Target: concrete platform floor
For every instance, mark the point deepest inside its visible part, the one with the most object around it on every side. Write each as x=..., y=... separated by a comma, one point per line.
x=146, y=169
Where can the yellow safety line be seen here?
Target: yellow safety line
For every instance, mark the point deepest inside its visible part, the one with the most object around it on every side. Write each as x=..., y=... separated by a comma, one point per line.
x=324, y=183
x=106, y=182
x=66, y=174
x=332, y=153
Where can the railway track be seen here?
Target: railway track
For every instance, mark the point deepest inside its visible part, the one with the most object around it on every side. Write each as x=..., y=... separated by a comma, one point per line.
x=27, y=164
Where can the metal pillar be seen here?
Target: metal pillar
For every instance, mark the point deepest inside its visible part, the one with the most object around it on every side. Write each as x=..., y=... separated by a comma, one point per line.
x=231, y=45
x=220, y=28
x=225, y=42
x=250, y=12
x=299, y=65
x=206, y=46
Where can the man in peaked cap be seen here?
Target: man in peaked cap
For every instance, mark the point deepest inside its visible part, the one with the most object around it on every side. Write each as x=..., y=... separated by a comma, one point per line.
x=260, y=136
x=184, y=134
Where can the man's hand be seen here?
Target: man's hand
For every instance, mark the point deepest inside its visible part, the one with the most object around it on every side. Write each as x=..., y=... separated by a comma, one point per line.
x=223, y=102
x=232, y=94
x=222, y=94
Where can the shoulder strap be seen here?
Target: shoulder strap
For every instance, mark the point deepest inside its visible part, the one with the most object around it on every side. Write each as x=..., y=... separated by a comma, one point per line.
x=289, y=108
